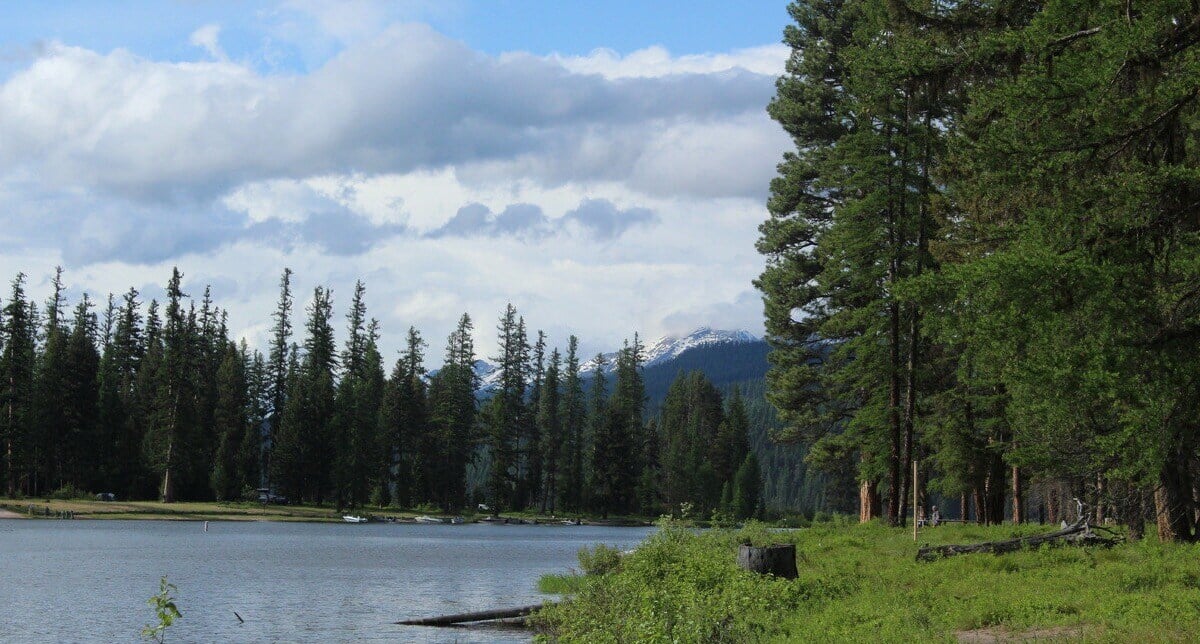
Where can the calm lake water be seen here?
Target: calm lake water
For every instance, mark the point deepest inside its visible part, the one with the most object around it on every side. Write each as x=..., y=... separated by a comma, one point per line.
x=68, y=581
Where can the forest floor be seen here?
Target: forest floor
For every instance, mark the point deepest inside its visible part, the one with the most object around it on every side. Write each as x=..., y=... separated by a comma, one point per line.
x=239, y=511
x=862, y=583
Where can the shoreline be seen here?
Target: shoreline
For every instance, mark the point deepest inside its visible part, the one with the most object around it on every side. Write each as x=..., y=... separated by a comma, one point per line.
x=86, y=509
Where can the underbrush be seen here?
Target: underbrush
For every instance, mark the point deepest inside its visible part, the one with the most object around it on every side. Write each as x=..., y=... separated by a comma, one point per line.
x=861, y=583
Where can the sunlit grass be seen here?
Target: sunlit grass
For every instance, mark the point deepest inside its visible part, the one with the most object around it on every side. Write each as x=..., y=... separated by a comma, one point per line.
x=862, y=583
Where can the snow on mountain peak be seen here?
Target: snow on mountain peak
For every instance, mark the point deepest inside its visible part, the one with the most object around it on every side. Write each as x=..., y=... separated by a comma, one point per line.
x=662, y=350
x=672, y=346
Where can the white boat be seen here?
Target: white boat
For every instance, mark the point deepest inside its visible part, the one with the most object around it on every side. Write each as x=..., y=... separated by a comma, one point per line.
x=428, y=520
x=349, y=518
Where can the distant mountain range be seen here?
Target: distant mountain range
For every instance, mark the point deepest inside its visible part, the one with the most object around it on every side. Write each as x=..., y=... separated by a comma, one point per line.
x=726, y=357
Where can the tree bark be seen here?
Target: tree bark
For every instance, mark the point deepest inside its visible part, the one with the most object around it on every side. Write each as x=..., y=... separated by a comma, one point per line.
x=479, y=616
x=868, y=501
x=1078, y=534
x=1173, y=501
x=1018, y=497
x=168, y=493
x=777, y=559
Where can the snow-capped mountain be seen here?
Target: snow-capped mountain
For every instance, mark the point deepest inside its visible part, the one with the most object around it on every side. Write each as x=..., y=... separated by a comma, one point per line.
x=672, y=346
x=660, y=352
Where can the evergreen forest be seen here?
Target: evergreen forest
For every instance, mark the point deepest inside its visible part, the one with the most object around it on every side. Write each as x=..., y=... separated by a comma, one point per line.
x=157, y=401
x=983, y=257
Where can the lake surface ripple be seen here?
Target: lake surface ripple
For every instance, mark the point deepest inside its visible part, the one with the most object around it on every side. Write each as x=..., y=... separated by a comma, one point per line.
x=84, y=581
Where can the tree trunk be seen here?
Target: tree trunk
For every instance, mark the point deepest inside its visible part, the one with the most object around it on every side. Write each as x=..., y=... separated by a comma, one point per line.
x=1173, y=500
x=168, y=489
x=777, y=559
x=1133, y=512
x=964, y=507
x=1077, y=534
x=868, y=501
x=479, y=616
x=895, y=471
x=10, y=480
x=1018, y=497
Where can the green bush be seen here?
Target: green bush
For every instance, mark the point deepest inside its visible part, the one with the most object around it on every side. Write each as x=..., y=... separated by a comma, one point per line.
x=69, y=492
x=599, y=560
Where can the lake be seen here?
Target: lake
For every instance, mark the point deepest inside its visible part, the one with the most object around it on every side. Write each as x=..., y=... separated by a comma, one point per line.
x=65, y=581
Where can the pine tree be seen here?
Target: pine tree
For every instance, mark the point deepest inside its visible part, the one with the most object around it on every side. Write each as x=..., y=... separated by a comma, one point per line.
x=550, y=431
x=529, y=477
x=249, y=459
x=506, y=413
x=231, y=426
x=170, y=412
x=455, y=410
x=306, y=429
x=692, y=416
x=16, y=389
x=123, y=357
x=747, y=487
x=573, y=416
x=851, y=216
x=406, y=427
x=48, y=431
x=84, y=451
x=597, y=494
x=277, y=367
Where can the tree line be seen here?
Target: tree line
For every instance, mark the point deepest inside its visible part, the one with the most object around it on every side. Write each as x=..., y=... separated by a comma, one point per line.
x=158, y=401
x=981, y=255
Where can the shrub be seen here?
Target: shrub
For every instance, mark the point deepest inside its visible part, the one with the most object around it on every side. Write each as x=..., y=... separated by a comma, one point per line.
x=600, y=560
x=69, y=492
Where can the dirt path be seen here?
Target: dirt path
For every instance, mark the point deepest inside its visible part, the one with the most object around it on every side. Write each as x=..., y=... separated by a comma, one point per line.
x=9, y=514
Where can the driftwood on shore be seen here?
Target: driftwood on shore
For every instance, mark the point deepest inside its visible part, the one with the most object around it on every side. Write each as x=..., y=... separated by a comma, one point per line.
x=1079, y=533
x=478, y=616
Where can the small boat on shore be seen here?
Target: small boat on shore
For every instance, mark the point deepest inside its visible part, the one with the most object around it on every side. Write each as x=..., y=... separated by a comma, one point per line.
x=457, y=520
x=424, y=519
x=349, y=518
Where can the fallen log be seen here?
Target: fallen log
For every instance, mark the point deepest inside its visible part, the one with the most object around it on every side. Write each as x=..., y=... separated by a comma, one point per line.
x=1079, y=534
x=478, y=616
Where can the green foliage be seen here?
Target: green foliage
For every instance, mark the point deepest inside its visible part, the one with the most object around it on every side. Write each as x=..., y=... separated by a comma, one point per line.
x=861, y=583
x=69, y=492
x=599, y=560
x=746, y=488
x=560, y=584
x=165, y=611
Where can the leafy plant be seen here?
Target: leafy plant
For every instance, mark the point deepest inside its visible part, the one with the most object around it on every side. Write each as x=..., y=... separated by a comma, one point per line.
x=164, y=609
x=600, y=560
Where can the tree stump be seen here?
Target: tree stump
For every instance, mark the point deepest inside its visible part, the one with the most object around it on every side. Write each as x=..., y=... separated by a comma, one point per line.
x=776, y=559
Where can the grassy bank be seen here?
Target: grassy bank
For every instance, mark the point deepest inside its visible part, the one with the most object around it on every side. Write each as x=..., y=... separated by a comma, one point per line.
x=186, y=511
x=861, y=583
x=238, y=511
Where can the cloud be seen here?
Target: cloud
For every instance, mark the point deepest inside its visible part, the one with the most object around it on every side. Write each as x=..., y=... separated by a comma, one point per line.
x=654, y=62
x=405, y=100
x=208, y=39
x=743, y=311
x=602, y=194
x=597, y=219
x=605, y=221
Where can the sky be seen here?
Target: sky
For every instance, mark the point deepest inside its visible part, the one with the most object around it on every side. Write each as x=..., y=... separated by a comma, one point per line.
x=602, y=166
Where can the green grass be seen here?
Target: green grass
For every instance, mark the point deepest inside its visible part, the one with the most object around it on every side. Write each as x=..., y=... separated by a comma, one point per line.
x=561, y=584
x=861, y=583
